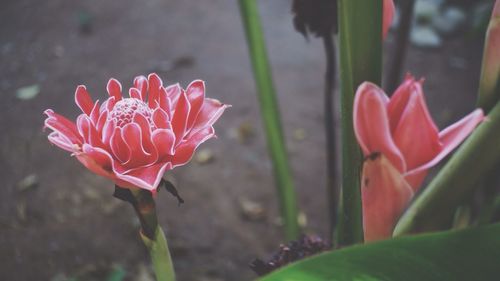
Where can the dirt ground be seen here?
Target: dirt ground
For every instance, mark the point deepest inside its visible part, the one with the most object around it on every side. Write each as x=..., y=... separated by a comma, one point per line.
x=69, y=225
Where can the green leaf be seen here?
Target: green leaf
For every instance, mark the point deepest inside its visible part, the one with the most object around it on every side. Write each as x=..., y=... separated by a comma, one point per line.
x=270, y=116
x=471, y=254
x=360, y=43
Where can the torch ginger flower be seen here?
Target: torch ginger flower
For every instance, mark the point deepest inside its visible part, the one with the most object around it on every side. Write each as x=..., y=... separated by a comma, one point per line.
x=134, y=140
x=400, y=142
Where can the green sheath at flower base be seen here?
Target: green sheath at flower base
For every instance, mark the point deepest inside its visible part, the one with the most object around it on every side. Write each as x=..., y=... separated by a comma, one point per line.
x=489, y=85
x=160, y=255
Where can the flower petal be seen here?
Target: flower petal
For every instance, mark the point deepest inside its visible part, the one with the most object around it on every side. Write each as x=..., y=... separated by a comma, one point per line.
x=196, y=95
x=114, y=89
x=371, y=124
x=120, y=149
x=385, y=195
x=83, y=100
x=62, y=126
x=184, y=152
x=164, y=141
x=132, y=135
x=179, y=120
x=414, y=123
x=451, y=137
x=146, y=177
x=141, y=83
x=210, y=111
x=174, y=92
x=161, y=119
x=96, y=160
x=155, y=84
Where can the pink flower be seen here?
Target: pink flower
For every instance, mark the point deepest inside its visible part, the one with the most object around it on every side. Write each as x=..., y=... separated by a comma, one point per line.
x=401, y=142
x=134, y=140
x=388, y=15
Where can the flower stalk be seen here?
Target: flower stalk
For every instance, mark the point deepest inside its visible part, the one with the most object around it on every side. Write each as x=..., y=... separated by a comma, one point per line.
x=271, y=117
x=360, y=43
x=152, y=235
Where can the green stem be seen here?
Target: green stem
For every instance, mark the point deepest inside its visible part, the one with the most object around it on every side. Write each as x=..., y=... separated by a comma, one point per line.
x=270, y=115
x=152, y=235
x=456, y=181
x=360, y=38
x=160, y=255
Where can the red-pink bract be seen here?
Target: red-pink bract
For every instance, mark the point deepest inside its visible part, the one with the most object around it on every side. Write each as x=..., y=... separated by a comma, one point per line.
x=133, y=140
x=401, y=142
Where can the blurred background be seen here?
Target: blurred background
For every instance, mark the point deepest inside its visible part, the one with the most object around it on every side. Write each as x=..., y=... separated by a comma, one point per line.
x=59, y=221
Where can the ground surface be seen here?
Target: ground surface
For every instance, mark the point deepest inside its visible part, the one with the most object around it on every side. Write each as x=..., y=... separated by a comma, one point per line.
x=70, y=225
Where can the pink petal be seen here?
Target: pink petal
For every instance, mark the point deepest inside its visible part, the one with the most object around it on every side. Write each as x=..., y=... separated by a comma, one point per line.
x=179, y=120
x=88, y=131
x=174, y=92
x=451, y=137
x=165, y=102
x=164, y=141
x=210, y=111
x=62, y=126
x=132, y=135
x=110, y=103
x=155, y=84
x=118, y=146
x=141, y=83
x=147, y=144
x=134, y=93
x=114, y=89
x=146, y=177
x=385, y=195
x=83, y=100
x=96, y=160
x=371, y=124
x=399, y=100
x=63, y=142
x=184, y=152
x=416, y=135
x=196, y=95
x=107, y=131
x=160, y=119
x=388, y=15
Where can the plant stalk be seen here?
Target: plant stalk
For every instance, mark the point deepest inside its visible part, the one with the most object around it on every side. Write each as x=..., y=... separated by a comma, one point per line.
x=360, y=43
x=270, y=116
x=152, y=235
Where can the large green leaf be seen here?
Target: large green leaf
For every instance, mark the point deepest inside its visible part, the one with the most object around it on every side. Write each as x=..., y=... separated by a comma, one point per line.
x=472, y=254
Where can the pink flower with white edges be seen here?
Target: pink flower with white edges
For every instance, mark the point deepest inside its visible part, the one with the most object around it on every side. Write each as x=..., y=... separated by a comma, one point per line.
x=133, y=140
x=401, y=143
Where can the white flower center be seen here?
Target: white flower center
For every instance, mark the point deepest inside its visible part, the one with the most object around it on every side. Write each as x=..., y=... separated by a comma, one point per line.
x=124, y=111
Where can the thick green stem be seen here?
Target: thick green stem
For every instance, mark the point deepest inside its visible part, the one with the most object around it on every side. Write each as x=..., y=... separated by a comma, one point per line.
x=160, y=255
x=456, y=181
x=152, y=235
x=270, y=115
x=360, y=43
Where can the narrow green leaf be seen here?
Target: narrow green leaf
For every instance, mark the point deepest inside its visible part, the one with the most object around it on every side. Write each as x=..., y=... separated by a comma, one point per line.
x=270, y=116
x=466, y=255
x=360, y=31
x=456, y=180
